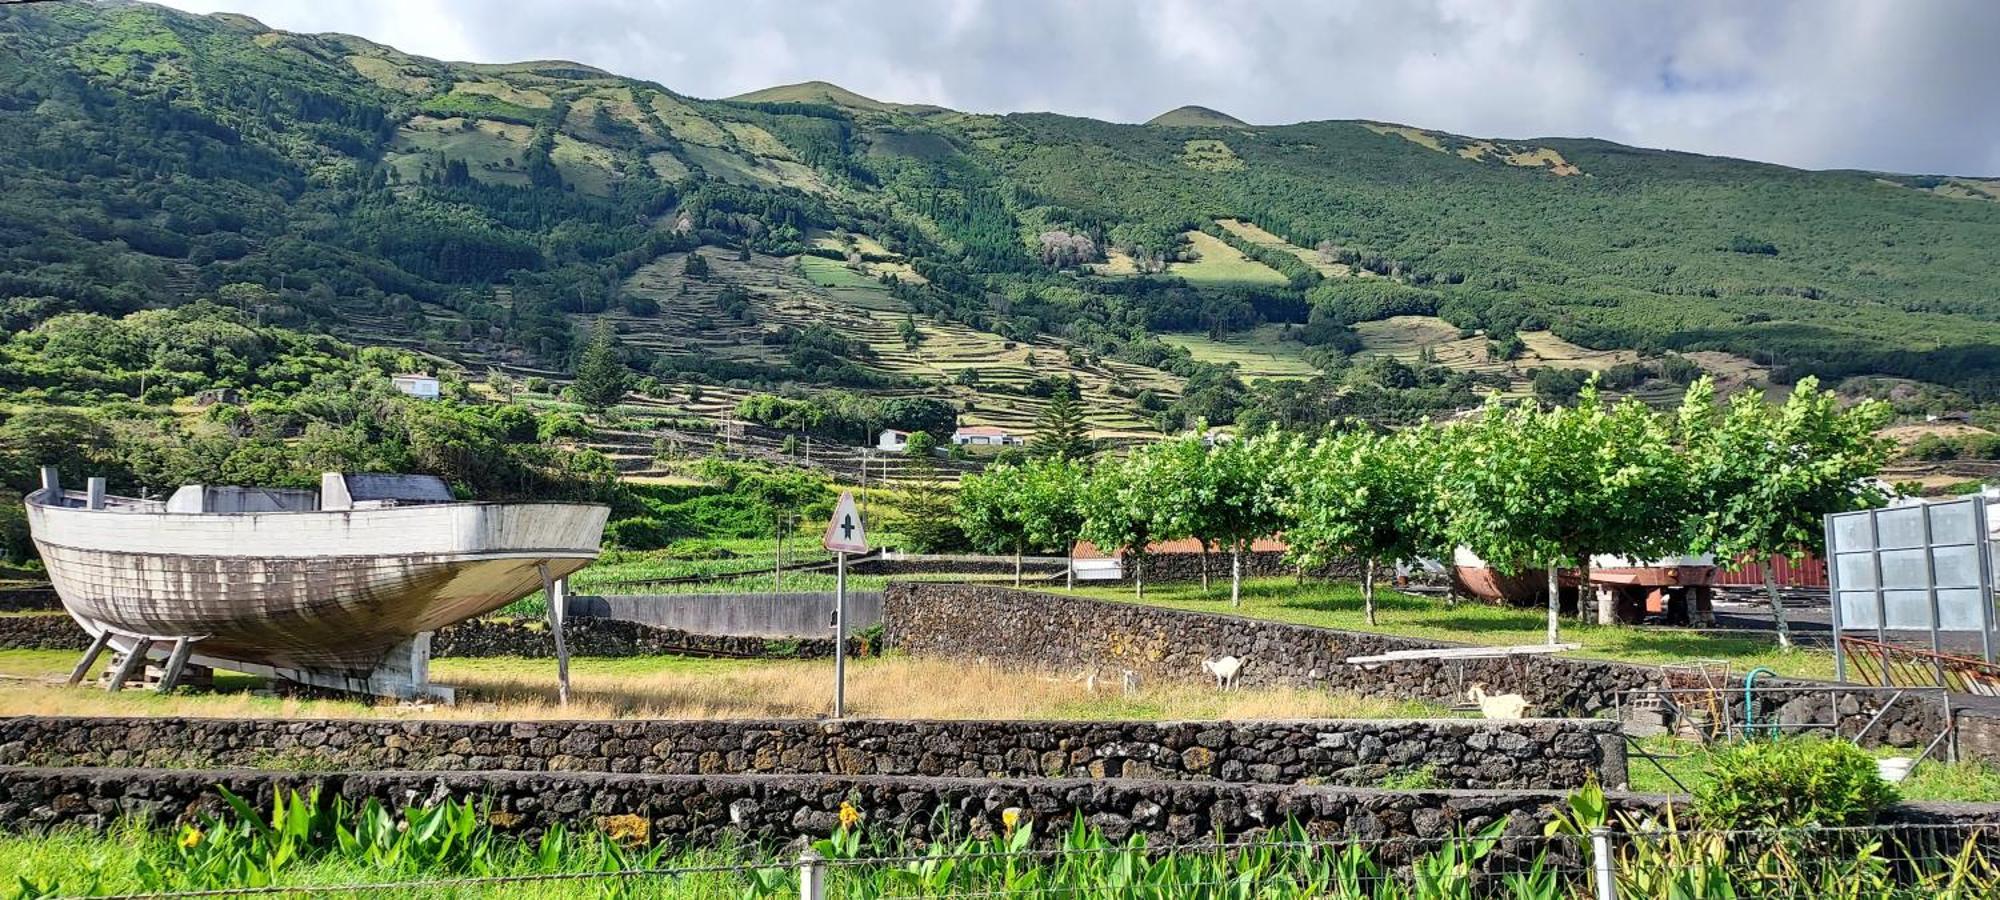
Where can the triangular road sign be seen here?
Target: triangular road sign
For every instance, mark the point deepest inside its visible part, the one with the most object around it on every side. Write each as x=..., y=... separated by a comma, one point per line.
x=844, y=533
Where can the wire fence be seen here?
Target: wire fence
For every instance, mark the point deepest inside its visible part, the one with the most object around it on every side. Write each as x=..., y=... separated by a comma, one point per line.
x=1944, y=861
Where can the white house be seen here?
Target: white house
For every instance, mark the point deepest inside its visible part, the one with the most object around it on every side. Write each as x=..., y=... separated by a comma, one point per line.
x=985, y=435
x=422, y=387
x=893, y=440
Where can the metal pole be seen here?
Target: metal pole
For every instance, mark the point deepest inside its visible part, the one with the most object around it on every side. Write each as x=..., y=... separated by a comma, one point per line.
x=1881, y=598
x=1833, y=594
x=1985, y=578
x=1600, y=863
x=1930, y=585
x=840, y=636
x=812, y=876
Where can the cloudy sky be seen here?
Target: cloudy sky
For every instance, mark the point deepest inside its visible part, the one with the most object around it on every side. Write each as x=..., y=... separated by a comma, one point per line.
x=1903, y=85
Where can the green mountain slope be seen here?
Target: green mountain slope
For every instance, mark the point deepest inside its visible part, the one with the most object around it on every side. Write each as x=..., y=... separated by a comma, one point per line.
x=486, y=212
x=1196, y=117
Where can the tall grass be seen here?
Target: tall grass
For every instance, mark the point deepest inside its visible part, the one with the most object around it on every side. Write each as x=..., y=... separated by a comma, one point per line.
x=683, y=688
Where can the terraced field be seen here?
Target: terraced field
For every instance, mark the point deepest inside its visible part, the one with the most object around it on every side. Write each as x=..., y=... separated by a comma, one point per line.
x=1407, y=337
x=806, y=290
x=1259, y=353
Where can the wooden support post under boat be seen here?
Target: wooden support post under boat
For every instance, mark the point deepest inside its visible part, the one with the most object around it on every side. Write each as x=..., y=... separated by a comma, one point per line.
x=554, y=590
x=176, y=662
x=135, y=663
x=82, y=670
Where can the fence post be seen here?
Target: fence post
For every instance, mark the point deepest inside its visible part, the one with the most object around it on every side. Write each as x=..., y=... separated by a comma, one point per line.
x=1600, y=863
x=812, y=876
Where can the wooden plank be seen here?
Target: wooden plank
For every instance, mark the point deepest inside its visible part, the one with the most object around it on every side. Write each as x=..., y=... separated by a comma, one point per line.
x=1463, y=653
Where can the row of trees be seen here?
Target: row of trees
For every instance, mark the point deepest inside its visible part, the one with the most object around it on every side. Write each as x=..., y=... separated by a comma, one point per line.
x=1526, y=488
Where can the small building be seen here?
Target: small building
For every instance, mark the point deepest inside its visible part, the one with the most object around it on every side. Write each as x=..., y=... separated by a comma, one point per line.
x=422, y=387
x=985, y=436
x=893, y=440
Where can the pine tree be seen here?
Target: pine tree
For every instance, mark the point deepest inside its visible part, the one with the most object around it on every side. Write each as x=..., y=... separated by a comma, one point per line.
x=1061, y=433
x=600, y=375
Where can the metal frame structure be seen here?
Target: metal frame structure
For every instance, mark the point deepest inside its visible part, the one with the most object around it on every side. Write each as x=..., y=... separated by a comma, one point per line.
x=1889, y=578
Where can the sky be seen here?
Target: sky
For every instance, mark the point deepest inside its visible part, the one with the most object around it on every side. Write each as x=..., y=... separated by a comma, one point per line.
x=1895, y=85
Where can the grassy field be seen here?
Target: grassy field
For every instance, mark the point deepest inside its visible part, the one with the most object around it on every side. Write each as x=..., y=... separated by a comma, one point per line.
x=1257, y=353
x=682, y=688
x=1251, y=232
x=1408, y=338
x=1222, y=264
x=1338, y=605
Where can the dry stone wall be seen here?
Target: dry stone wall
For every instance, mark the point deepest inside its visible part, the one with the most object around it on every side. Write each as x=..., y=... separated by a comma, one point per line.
x=1457, y=753
x=1001, y=626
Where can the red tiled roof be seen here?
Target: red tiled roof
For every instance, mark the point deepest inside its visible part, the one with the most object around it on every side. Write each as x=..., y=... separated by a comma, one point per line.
x=1088, y=550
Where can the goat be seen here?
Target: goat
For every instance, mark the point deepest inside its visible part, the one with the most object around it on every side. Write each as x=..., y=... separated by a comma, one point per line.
x=1224, y=670
x=1498, y=706
x=1129, y=680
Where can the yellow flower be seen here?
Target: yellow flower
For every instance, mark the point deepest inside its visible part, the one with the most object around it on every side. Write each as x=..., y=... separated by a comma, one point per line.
x=627, y=829
x=190, y=838
x=1011, y=817
x=849, y=816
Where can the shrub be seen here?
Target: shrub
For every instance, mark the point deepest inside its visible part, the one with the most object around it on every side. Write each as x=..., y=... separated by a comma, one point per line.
x=1792, y=783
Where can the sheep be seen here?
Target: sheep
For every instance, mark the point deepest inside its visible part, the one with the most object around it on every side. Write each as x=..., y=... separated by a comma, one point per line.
x=1498, y=706
x=1224, y=670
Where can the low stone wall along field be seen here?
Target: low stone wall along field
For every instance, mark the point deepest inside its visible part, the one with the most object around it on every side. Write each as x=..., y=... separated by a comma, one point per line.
x=1457, y=753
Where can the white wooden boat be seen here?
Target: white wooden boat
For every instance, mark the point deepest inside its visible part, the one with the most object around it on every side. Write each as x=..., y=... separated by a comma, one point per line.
x=338, y=587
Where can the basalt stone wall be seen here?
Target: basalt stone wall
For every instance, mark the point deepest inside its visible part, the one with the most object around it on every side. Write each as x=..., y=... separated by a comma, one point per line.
x=1047, y=631
x=1458, y=753
x=776, y=810
x=613, y=637
x=1163, y=567
x=41, y=632
x=505, y=637
x=28, y=599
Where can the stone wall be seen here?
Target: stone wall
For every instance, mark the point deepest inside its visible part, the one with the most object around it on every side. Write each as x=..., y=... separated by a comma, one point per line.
x=28, y=599
x=776, y=810
x=805, y=614
x=1068, y=634
x=1457, y=753
x=505, y=637
x=780, y=811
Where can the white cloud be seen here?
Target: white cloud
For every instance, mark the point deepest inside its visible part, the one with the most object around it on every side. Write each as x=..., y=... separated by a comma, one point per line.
x=1817, y=83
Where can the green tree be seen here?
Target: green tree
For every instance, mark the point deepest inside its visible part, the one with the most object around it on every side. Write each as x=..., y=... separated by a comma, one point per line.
x=696, y=265
x=1242, y=494
x=1528, y=488
x=1765, y=477
x=913, y=337
x=1366, y=496
x=926, y=511
x=1119, y=510
x=1060, y=431
x=993, y=514
x=600, y=376
x=1051, y=498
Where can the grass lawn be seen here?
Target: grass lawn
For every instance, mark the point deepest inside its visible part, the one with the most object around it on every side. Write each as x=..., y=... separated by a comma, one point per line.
x=828, y=273
x=1258, y=353
x=674, y=687
x=1338, y=605
x=1222, y=264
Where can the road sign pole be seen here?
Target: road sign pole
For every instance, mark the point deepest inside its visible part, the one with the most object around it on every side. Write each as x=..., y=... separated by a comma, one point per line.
x=840, y=636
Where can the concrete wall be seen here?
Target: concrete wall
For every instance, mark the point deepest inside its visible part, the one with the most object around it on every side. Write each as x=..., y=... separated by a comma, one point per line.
x=804, y=615
x=1458, y=753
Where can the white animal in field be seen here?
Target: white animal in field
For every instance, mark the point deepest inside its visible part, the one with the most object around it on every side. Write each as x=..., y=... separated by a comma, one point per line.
x=1498, y=706
x=1224, y=670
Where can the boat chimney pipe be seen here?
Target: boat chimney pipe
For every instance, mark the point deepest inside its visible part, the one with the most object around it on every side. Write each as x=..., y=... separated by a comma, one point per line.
x=95, y=493
x=52, y=492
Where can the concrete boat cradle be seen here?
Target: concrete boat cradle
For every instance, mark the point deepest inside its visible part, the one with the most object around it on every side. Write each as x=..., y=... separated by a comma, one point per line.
x=339, y=587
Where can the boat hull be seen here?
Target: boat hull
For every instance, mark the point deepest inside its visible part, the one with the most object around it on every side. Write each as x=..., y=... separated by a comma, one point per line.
x=324, y=591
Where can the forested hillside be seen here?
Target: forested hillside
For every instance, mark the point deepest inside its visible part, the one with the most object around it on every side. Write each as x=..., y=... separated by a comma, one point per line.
x=487, y=215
